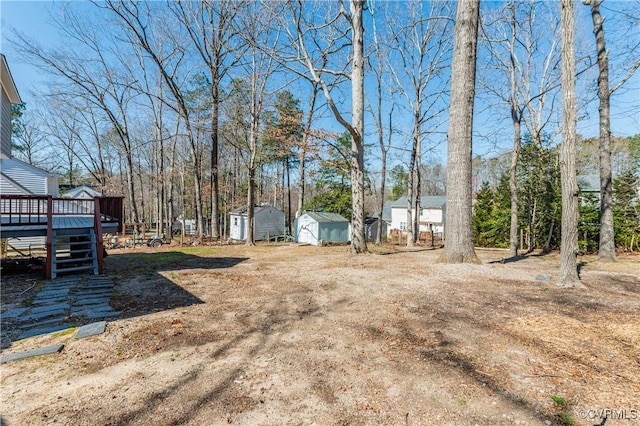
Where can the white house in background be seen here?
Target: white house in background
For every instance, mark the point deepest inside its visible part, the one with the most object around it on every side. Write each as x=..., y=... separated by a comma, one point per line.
x=432, y=214
x=268, y=223
x=316, y=228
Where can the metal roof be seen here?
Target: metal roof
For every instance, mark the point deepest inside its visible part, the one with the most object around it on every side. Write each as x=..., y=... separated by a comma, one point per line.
x=325, y=217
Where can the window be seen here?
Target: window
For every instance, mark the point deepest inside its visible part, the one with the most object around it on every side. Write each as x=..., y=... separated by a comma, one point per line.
x=403, y=226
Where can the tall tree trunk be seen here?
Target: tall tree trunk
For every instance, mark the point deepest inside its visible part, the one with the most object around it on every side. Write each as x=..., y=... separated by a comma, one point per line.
x=569, y=228
x=410, y=190
x=418, y=191
x=251, y=206
x=516, y=117
x=607, y=247
x=215, y=178
x=458, y=225
x=288, y=166
x=303, y=148
x=358, y=240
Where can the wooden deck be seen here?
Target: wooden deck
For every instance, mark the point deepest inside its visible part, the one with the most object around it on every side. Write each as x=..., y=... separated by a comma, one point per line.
x=46, y=216
x=34, y=215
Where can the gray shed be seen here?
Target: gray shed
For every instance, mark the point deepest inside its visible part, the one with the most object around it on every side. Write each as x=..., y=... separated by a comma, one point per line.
x=319, y=227
x=268, y=223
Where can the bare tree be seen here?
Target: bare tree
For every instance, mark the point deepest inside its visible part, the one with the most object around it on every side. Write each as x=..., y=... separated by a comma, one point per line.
x=380, y=71
x=607, y=247
x=423, y=45
x=513, y=39
x=135, y=18
x=93, y=80
x=259, y=67
x=569, y=234
x=210, y=27
x=312, y=44
x=458, y=233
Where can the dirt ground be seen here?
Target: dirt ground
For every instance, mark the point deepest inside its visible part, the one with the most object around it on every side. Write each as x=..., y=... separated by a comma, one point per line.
x=298, y=335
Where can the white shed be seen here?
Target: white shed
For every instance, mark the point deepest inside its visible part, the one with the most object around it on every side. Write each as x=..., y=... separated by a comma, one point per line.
x=83, y=192
x=268, y=223
x=317, y=227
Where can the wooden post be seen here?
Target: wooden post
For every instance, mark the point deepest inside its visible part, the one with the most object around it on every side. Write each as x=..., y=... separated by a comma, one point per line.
x=49, y=241
x=97, y=227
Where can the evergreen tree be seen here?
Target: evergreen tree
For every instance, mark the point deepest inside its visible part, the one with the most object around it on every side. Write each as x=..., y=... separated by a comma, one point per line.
x=626, y=211
x=334, y=181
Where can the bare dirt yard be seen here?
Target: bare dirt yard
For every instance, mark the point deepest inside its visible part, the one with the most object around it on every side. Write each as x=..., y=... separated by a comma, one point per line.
x=281, y=334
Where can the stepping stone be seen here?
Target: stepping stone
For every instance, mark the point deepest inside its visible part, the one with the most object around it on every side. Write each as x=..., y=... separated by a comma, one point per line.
x=102, y=314
x=12, y=313
x=47, y=350
x=41, y=323
x=47, y=308
x=92, y=301
x=543, y=277
x=49, y=300
x=44, y=330
x=53, y=292
x=40, y=315
x=95, y=291
x=91, y=329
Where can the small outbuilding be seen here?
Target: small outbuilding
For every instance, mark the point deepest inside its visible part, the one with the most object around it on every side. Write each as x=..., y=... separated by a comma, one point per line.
x=317, y=228
x=268, y=223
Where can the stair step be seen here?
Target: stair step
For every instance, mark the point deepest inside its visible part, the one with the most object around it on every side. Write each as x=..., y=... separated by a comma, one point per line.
x=75, y=268
x=73, y=243
x=73, y=233
x=74, y=260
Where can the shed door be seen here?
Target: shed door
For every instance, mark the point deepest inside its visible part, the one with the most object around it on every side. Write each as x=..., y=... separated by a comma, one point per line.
x=306, y=232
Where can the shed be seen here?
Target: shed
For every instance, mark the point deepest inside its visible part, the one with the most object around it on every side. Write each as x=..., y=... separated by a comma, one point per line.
x=371, y=228
x=268, y=223
x=316, y=228
x=83, y=191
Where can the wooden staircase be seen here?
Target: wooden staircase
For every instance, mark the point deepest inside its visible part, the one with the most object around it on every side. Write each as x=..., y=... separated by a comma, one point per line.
x=74, y=250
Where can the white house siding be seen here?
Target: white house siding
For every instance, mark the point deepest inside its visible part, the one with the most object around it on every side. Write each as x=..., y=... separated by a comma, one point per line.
x=7, y=186
x=5, y=125
x=427, y=216
x=27, y=244
x=32, y=179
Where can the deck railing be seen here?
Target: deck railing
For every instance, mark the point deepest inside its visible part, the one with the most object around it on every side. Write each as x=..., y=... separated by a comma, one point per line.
x=34, y=209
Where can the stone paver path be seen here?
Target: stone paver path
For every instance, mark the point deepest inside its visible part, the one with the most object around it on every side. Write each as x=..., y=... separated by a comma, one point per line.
x=63, y=303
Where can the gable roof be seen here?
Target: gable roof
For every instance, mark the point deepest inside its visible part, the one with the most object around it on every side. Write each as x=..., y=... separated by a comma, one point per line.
x=82, y=191
x=326, y=217
x=242, y=211
x=8, y=85
x=426, y=202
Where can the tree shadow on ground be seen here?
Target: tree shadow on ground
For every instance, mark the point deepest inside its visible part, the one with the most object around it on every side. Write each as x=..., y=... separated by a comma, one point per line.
x=256, y=338
x=142, y=286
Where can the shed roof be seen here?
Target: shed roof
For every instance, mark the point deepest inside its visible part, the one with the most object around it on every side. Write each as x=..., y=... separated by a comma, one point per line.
x=242, y=211
x=82, y=191
x=326, y=217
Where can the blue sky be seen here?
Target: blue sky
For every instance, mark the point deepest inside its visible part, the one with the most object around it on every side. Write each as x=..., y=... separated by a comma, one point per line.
x=31, y=17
